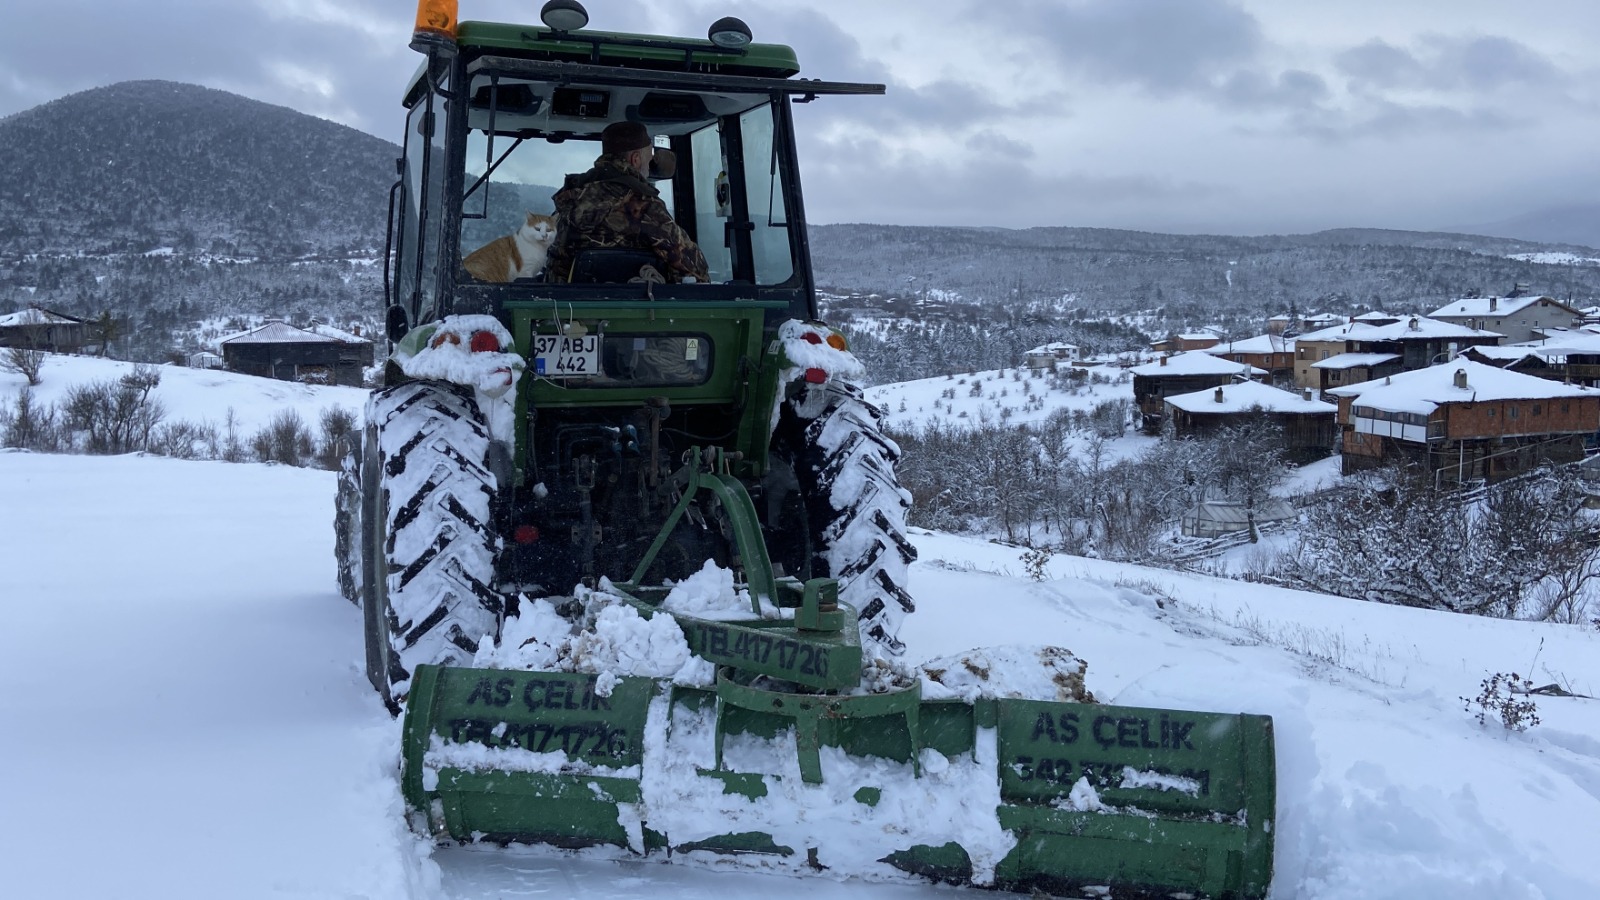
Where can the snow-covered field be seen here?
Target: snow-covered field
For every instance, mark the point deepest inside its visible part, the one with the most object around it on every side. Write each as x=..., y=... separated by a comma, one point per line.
x=1016, y=393
x=196, y=395
x=186, y=716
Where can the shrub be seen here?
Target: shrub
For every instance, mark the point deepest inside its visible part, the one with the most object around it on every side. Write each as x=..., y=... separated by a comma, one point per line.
x=1504, y=697
x=337, y=425
x=286, y=440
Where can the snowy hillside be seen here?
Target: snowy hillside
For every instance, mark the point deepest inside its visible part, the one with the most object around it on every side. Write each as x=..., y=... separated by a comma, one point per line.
x=197, y=725
x=1010, y=396
x=195, y=395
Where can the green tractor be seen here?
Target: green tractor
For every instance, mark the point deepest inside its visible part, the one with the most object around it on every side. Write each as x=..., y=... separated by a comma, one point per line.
x=631, y=553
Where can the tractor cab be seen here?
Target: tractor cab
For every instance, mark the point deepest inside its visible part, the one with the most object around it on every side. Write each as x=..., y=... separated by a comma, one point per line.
x=500, y=116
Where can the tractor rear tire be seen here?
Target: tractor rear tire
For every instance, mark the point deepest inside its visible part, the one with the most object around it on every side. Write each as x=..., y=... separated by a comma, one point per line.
x=855, y=509
x=433, y=545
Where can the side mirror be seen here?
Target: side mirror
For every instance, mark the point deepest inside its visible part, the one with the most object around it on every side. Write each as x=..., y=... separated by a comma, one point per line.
x=663, y=165
x=395, y=324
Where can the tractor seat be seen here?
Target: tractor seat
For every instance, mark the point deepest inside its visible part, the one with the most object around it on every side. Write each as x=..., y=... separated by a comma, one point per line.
x=610, y=265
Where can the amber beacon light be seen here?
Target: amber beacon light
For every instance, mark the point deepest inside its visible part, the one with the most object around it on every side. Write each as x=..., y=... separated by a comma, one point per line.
x=436, y=26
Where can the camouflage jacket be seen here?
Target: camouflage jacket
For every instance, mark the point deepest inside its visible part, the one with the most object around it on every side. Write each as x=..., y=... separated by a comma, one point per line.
x=611, y=206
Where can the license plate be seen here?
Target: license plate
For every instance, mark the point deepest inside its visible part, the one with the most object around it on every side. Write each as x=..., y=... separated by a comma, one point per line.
x=560, y=356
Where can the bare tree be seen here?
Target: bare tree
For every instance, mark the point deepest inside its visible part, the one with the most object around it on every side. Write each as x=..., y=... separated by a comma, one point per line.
x=25, y=361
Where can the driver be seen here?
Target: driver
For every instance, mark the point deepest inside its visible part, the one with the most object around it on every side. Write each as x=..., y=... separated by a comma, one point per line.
x=613, y=206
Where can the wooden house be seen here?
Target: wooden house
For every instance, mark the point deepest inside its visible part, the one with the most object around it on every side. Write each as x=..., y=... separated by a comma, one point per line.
x=1309, y=425
x=279, y=350
x=41, y=329
x=1272, y=353
x=1417, y=342
x=1181, y=374
x=1466, y=421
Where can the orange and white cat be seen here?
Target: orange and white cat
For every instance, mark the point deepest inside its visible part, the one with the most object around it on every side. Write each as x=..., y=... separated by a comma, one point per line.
x=520, y=254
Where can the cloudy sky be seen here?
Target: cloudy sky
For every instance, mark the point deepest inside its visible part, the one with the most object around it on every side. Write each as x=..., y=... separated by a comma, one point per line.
x=1230, y=116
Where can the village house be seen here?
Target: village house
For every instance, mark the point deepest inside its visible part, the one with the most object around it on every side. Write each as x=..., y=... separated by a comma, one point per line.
x=1565, y=355
x=1181, y=374
x=1273, y=353
x=320, y=354
x=1182, y=343
x=1416, y=342
x=1465, y=421
x=1377, y=317
x=1309, y=425
x=1519, y=316
x=41, y=329
x=1047, y=356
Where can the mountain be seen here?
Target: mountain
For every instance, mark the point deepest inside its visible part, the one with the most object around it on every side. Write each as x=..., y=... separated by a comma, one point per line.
x=145, y=164
x=1193, y=277
x=1577, y=224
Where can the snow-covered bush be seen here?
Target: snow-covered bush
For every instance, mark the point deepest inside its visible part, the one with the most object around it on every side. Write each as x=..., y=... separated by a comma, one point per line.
x=1519, y=549
x=286, y=440
x=1505, y=698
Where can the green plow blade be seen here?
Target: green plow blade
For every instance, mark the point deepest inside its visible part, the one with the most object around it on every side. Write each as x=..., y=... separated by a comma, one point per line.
x=1139, y=802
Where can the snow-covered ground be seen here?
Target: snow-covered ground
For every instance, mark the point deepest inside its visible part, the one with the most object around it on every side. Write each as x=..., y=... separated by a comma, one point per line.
x=187, y=718
x=1016, y=392
x=196, y=395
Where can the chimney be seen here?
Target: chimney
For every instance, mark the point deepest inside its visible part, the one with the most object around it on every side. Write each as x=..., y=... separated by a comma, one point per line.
x=1219, y=394
x=1494, y=303
x=1414, y=326
x=1306, y=394
x=1461, y=379
x=1163, y=360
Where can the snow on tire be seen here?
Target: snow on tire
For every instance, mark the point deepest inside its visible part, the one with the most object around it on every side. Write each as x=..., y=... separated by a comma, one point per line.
x=864, y=540
x=347, y=520
x=439, y=544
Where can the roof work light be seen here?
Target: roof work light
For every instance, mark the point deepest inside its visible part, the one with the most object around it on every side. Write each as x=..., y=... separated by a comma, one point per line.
x=730, y=33
x=564, y=15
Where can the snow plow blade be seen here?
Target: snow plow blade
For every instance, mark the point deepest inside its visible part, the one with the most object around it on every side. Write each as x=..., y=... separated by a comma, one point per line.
x=1075, y=799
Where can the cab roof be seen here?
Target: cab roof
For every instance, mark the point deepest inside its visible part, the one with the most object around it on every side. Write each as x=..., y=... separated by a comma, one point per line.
x=621, y=50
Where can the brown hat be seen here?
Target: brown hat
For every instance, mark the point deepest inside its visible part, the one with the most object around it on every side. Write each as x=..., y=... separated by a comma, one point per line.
x=624, y=137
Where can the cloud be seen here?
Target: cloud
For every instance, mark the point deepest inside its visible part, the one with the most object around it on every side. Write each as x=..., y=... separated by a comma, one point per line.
x=1294, y=89
x=864, y=178
x=345, y=62
x=1472, y=64
x=1160, y=46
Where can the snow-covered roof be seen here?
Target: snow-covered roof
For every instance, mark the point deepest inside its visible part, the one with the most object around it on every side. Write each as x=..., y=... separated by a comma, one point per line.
x=35, y=316
x=280, y=333
x=1246, y=395
x=1376, y=315
x=1196, y=362
x=1232, y=512
x=1354, y=360
x=1510, y=352
x=1343, y=332
x=1261, y=343
x=1481, y=306
x=1053, y=347
x=336, y=334
x=1424, y=390
x=1198, y=336
x=1410, y=328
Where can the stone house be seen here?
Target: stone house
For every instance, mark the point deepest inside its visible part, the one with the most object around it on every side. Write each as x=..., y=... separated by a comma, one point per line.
x=1519, y=318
